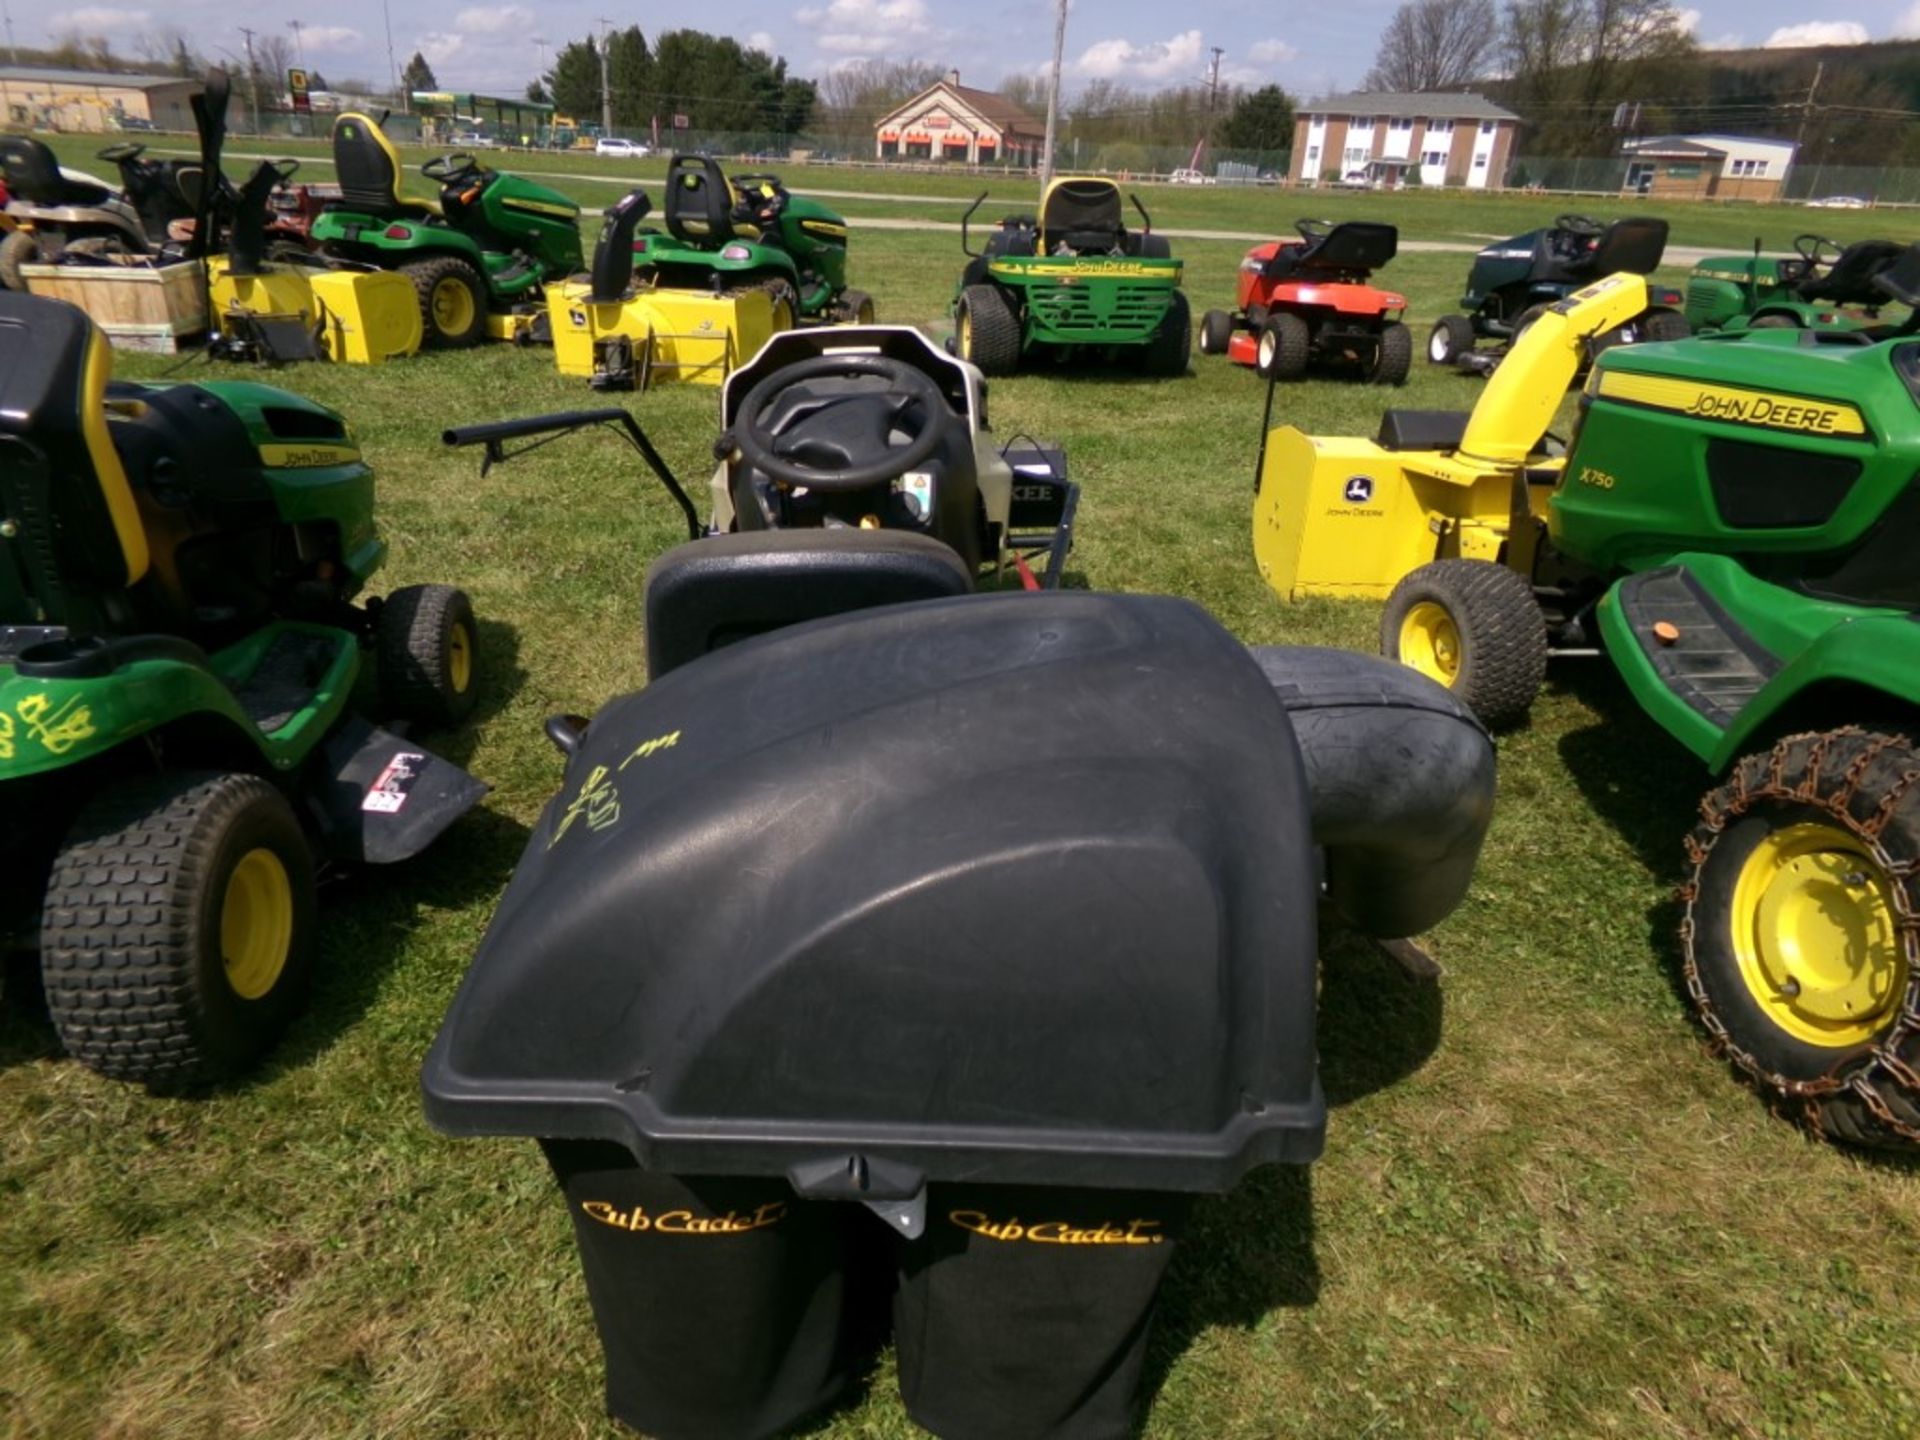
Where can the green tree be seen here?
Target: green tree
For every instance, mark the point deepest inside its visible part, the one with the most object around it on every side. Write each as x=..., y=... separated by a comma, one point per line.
x=1571, y=62
x=574, y=81
x=630, y=77
x=418, y=75
x=1260, y=120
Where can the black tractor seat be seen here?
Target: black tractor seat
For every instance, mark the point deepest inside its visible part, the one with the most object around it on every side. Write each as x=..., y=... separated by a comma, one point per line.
x=369, y=172
x=1632, y=247
x=32, y=174
x=1082, y=217
x=699, y=206
x=1350, y=251
x=1850, y=279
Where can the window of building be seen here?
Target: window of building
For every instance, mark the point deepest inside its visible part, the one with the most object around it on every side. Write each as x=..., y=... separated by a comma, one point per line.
x=1479, y=162
x=1401, y=125
x=1439, y=127
x=1434, y=157
x=1486, y=127
x=1313, y=152
x=1360, y=122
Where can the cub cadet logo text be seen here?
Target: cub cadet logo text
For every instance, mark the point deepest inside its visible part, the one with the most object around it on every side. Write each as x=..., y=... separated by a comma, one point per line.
x=685, y=1222
x=1058, y=1232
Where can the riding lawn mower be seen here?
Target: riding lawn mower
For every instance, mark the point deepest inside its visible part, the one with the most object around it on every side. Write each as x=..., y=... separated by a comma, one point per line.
x=1306, y=301
x=1734, y=521
x=1074, y=280
x=1513, y=282
x=56, y=212
x=892, y=925
x=1811, y=289
x=179, y=647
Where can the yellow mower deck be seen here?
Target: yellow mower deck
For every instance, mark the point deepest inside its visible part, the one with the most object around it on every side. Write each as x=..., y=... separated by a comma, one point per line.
x=689, y=336
x=1343, y=515
x=362, y=317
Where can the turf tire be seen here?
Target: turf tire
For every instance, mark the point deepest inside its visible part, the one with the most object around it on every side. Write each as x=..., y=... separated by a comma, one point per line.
x=22, y=247
x=1450, y=338
x=1393, y=357
x=1216, y=332
x=427, y=277
x=1286, y=345
x=1525, y=322
x=131, y=933
x=1664, y=324
x=1170, y=351
x=1500, y=648
x=1868, y=786
x=992, y=330
x=420, y=638
x=856, y=308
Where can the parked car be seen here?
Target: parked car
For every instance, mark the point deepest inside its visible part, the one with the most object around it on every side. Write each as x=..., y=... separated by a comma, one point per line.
x=472, y=140
x=1189, y=177
x=1839, y=202
x=612, y=145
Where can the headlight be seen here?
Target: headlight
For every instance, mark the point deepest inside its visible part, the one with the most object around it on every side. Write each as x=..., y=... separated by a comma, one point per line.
x=735, y=252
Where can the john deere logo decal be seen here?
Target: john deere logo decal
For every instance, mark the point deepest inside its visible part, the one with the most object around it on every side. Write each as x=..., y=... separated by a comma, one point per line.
x=1736, y=406
x=1359, y=489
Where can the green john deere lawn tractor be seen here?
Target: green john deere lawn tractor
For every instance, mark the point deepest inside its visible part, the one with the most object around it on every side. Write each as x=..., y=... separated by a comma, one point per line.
x=749, y=232
x=1736, y=523
x=1819, y=287
x=478, y=256
x=1073, y=280
x=179, y=645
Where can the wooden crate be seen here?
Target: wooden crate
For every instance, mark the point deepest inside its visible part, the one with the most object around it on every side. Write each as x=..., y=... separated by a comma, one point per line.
x=141, y=307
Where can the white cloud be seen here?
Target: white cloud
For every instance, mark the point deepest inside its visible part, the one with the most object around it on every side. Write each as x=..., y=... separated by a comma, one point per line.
x=438, y=47
x=1818, y=32
x=1176, y=59
x=492, y=19
x=96, y=20
x=1686, y=21
x=322, y=38
x=1907, y=27
x=1725, y=42
x=866, y=27
x=763, y=41
x=1271, y=52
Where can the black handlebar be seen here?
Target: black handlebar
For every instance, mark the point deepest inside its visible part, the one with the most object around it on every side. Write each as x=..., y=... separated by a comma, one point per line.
x=495, y=433
x=965, y=247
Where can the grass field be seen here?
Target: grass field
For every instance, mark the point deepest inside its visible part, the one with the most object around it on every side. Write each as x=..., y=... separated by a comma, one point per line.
x=1544, y=1210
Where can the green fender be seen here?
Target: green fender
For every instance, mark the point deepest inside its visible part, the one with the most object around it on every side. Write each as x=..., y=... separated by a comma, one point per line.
x=736, y=257
x=410, y=239
x=50, y=724
x=1877, y=650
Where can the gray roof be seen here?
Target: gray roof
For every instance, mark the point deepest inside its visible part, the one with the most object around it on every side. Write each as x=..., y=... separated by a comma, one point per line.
x=1436, y=105
x=1659, y=145
x=104, y=79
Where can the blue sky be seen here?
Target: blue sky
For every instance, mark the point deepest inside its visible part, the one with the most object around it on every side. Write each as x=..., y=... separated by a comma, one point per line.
x=495, y=47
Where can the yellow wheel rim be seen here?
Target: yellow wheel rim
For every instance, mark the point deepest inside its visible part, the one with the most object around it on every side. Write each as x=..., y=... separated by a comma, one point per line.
x=1814, y=933
x=460, y=659
x=453, y=308
x=1430, y=642
x=966, y=334
x=864, y=315
x=256, y=924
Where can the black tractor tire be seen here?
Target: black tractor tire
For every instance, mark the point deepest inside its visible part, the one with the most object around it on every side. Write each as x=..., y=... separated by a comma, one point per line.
x=1800, y=869
x=1286, y=345
x=856, y=307
x=1475, y=627
x=176, y=940
x=22, y=247
x=1451, y=337
x=1393, y=358
x=427, y=654
x=1525, y=322
x=989, y=334
x=1664, y=324
x=1170, y=351
x=445, y=322
x=1774, y=322
x=1216, y=332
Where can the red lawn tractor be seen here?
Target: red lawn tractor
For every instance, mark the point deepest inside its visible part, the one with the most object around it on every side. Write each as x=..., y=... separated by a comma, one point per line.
x=1306, y=302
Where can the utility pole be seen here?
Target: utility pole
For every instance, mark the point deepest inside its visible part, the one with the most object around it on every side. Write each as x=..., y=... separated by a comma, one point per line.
x=253, y=83
x=1053, y=97
x=1213, y=102
x=13, y=51
x=1806, y=107
x=393, y=70
x=606, y=77
x=299, y=42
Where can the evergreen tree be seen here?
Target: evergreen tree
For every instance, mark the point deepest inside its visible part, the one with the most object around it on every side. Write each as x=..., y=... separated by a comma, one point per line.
x=1260, y=120
x=418, y=75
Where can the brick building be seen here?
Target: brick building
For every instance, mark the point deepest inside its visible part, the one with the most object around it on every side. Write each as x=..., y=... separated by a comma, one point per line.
x=1446, y=139
x=949, y=121
x=93, y=100
x=1699, y=167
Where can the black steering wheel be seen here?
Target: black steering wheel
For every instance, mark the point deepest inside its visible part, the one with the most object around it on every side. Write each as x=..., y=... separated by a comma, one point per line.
x=451, y=169
x=755, y=203
x=1816, y=250
x=1312, y=229
x=123, y=152
x=1578, y=224
x=839, y=441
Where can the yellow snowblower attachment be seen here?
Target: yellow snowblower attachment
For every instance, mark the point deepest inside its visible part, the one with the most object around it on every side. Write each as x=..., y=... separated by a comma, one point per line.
x=1342, y=515
x=627, y=336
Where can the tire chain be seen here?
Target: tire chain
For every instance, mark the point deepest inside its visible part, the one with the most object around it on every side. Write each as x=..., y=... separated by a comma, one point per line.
x=1886, y=1055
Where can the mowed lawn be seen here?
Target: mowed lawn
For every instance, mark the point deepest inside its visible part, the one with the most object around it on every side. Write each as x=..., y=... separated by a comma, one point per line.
x=1545, y=1210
